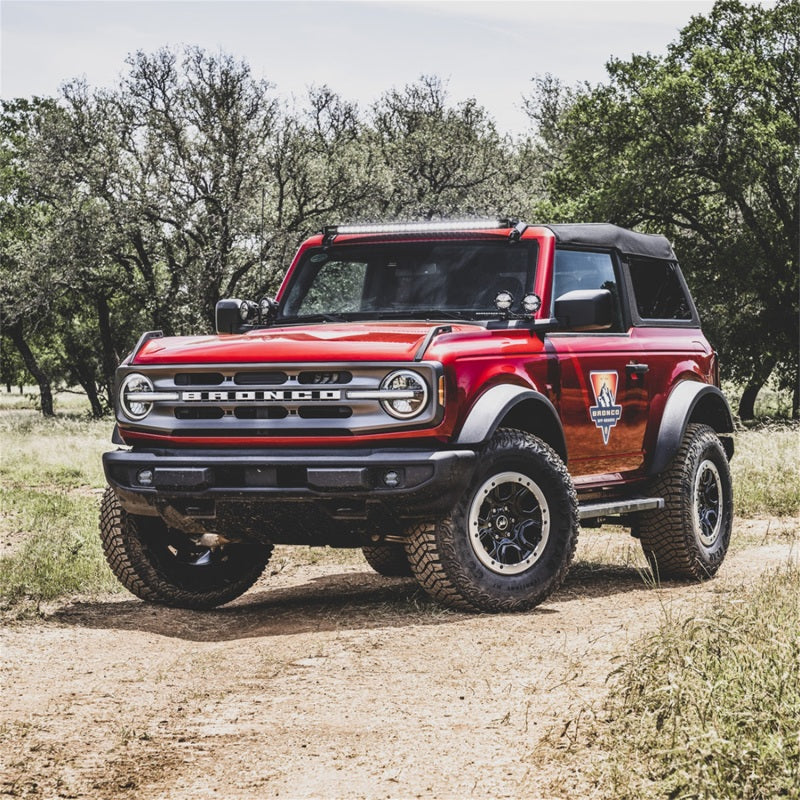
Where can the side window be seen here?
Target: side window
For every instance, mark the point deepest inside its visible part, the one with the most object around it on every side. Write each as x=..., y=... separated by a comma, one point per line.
x=578, y=269
x=658, y=290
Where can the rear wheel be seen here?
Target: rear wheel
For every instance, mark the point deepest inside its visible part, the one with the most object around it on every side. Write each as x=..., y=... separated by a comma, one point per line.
x=689, y=537
x=163, y=565
x=508, y=544
x=388, y=559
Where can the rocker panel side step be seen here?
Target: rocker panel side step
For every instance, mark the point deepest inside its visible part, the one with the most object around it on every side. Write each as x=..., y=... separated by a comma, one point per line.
x=614, y=507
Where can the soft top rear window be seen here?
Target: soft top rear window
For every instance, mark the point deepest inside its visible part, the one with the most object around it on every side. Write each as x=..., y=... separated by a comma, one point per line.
x=658, y=290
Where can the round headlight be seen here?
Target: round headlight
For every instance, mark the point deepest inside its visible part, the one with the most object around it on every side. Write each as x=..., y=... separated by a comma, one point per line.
x=412, y=394
x=133, y=384
x=244, y=310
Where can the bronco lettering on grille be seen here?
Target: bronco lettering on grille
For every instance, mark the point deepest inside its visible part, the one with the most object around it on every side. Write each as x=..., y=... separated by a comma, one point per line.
x=262, y=396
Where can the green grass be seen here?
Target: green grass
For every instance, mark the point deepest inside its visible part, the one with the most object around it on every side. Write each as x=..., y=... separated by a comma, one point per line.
x=65, y=401
x=61, y=453
x=61, y=553
x=709, y=707
x=50, y=477
x=766, y=471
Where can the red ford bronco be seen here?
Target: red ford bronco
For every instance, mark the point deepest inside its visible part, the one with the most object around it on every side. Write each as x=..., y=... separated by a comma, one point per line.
x=453, y=398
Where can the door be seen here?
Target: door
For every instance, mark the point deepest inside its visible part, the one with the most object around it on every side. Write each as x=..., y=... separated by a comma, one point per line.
x=602, y=385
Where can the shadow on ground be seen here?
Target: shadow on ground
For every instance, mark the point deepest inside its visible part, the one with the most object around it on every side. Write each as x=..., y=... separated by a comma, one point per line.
x=346, y=601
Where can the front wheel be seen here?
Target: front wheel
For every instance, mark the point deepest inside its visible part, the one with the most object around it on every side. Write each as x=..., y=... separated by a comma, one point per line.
x=508, y=544
x=689, y=537
x=163, y=565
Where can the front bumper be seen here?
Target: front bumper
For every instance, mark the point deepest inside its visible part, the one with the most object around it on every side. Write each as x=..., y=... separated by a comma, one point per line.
x=269, y=494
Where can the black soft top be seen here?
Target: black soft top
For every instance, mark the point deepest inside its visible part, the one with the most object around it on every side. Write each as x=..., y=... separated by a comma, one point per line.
x=601, y=234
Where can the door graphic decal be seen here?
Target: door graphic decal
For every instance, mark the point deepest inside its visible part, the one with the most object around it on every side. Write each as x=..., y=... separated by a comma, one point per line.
x=606, y=413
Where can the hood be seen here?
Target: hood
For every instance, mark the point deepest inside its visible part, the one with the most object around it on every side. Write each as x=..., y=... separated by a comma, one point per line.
x=354, y=341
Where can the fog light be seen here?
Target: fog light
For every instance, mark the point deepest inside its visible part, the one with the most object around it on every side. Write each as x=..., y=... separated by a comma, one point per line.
x=145, y=477
x=391, y=479
x=531, y=303
x=503, y=301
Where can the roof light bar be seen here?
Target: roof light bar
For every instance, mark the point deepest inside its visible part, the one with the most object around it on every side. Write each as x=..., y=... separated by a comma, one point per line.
x=420, y=227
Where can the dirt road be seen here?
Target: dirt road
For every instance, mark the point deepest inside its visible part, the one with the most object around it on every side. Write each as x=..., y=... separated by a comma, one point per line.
x=328, y=681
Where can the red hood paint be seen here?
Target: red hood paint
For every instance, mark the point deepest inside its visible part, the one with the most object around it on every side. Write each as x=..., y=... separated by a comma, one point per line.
x=367, y=341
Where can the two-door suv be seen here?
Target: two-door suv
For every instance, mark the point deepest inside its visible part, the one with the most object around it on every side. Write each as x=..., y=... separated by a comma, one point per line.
x=453, y=398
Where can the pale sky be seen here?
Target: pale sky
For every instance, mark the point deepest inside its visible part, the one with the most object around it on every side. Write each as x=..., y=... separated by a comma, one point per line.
x=486, y=50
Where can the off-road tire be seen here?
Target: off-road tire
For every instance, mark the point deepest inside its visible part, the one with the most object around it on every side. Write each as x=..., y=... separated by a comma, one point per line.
x=449, y=558
x=688, y=538
x=139, y=551
x=388, y=559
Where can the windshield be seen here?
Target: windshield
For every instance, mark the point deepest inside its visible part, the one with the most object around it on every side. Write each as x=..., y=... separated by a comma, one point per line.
x=413, y=280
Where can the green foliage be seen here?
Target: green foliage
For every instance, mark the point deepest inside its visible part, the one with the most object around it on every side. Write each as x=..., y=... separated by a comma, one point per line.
x=439, y=160
x=701, y=144
x=710, y=707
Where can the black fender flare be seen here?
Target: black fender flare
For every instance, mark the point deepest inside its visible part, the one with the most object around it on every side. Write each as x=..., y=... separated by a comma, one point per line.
x=494, y=405
x=690, y=401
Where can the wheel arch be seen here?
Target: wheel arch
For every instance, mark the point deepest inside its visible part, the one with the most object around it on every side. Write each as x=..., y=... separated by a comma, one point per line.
x=691, y=401
x=507, y=405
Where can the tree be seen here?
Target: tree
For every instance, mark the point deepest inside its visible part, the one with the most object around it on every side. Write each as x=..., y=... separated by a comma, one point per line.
x=25, y=296
x=438, y=159
x=703, y=144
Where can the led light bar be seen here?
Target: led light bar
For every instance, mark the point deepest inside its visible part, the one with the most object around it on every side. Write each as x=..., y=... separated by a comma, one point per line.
x=420, y=227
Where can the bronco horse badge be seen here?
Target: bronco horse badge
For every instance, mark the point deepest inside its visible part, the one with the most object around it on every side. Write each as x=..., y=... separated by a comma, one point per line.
x=606, y=413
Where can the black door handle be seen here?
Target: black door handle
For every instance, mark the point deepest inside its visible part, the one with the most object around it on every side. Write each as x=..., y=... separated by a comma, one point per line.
x=636, y=369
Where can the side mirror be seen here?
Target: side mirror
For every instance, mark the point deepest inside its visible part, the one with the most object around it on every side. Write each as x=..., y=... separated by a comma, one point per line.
x=585, y=310
x=232, y=315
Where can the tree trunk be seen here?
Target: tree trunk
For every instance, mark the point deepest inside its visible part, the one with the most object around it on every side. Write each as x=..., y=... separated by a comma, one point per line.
x=85, y=377
x=98, y=410
x=45, y=390
x=747, y=405
x=110, y=357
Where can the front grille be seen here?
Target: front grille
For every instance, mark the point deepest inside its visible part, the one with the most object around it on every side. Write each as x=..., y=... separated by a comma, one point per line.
x=199, y=378
x=260, y=378
x=324, y=377
x=269, y=401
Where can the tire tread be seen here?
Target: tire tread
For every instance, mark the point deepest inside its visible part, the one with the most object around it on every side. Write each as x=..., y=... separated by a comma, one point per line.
x=129, y=561
x=666, y=534
x=432, y=554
